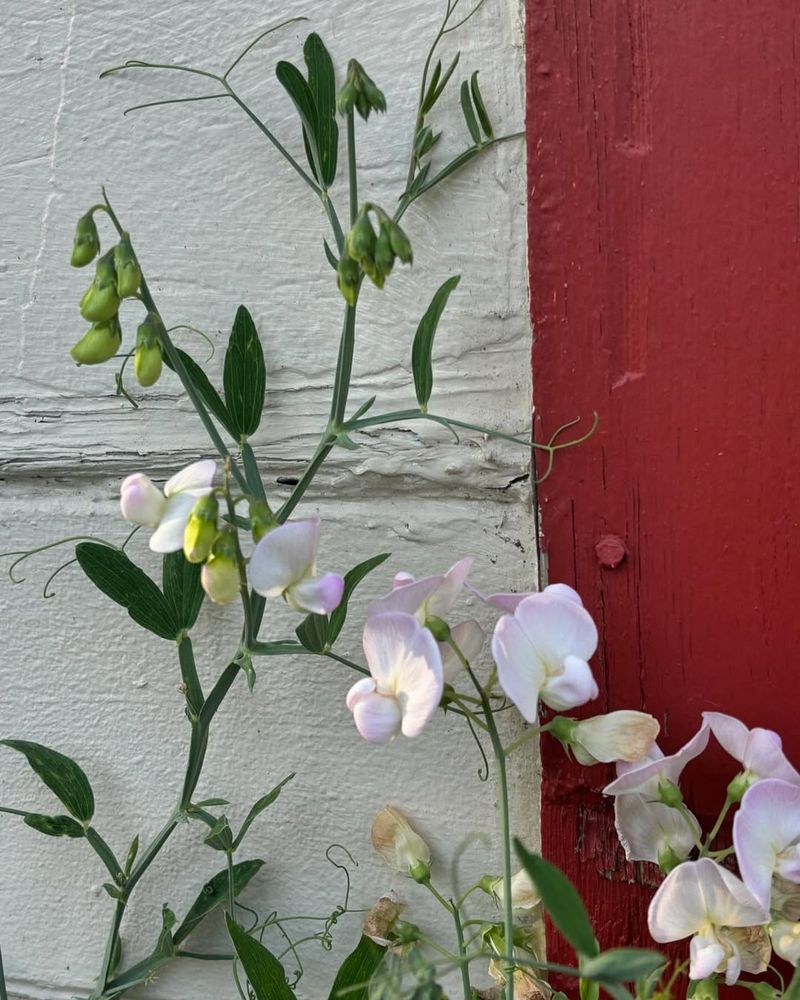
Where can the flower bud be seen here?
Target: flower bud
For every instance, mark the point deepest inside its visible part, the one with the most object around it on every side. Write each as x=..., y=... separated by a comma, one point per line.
x=384, y=255
x=100, y=342
x=399, y=845
x=360, y=241
x=101, y=300
x=347, y=275
x=127, y=268
x=147, y=358
x=87, y=241
x=624, y=735
x=668, y=858
x=400, y=243
x=220, y=573
x=359, y=92
x=141, y=501
x=262, y=519
x=669, y=793
x=201, y=529
x=738, y=786
x=524, y=894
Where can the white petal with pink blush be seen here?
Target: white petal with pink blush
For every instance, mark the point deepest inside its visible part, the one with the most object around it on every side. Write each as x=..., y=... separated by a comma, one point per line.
x=766, y=835
x=759, y=751
x=432, y=596
x=143, y=503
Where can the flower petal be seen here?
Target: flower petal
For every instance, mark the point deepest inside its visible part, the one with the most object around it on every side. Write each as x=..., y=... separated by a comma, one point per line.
x=706, y=954
x=757, y=750
x=510, y=601
x=575, y=686
x=557, y=628
x=318, y=595
x=168, y=536
x=767, y=823
x=443, y=599
x=786, y=940
x=377, y=717
x=197, y=476
x=646, y=828
x=623, y=735
x=469, y=638
x=359, y=690
x=644, y=777
x=284, y=556
x=408, y=598
x=520, y=670
x=141, y=501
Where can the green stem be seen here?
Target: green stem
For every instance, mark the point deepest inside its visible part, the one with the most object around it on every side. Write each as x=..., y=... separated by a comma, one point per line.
x=191, y=682
x=347, y=663
x=231, y=894
x=206, y=957
x=687, y=816
x=3, y=992
x=344, y=369
x=717, y=826
x=465, y=981
x=104, y=852
x=352, y=168
x=530, y=734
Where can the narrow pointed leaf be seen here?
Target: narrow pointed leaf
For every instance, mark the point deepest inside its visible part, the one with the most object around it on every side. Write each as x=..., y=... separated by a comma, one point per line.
x=429, y=100
x=322, y=84
x=436, y=94
x=296, y=86
x=357, y=970
x=421, y=364
x=244, y=376
x=55, y=826
x=262, y=969
x=469, y=114
x=259, y=807
x=215, y=893
x=330, y=255
x=182, y=588
x=205, y=389
x=561, y=900
x=124, y=582
x=480, y=107
x=622, y=965
x=61, y=774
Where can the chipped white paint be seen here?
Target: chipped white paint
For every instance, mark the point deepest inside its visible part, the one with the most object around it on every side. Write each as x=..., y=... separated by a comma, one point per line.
x=219, y=220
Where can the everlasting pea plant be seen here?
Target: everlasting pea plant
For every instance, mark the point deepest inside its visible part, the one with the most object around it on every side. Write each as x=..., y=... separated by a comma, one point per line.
x=223, y=538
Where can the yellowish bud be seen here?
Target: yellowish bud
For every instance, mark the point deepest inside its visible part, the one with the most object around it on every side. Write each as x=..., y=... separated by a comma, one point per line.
x=201, y=529
x=100, y=343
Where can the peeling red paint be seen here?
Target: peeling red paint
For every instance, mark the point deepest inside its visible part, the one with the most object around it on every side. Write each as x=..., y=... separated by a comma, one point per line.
x=664, y=171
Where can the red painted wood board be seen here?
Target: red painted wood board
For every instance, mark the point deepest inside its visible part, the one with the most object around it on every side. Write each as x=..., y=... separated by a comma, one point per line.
x=664, y=228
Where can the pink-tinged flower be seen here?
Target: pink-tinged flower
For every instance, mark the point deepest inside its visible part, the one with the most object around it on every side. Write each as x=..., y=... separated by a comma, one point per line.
x=469, y=638
x=624, y=735
x=142, y=502
x=541, y=651
x=406, y=682
x=785, y=936
x=652, y=831
x=431, y=597
x=510, y=602
x=645, y=777
x=701, y=900
x=766, y=835
x=284, y=564
x=759, y=751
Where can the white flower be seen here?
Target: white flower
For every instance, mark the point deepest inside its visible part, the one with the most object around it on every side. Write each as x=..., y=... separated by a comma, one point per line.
x=397, y=842
x=759, y=751
x=284, y=564
x=644, y=777
x=623, y=735
x=541, y=652
x=469, y=638
x=142, y=502
x=785, y=936
x=701, y=900
x=524, y=894
x=510, y=602
x=431, y=597
x=652, y=831
x=766, y=835
x=406, y=682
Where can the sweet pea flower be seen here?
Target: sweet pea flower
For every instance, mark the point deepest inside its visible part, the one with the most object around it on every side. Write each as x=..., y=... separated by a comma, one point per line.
x=510, y=602
x=766, y=835
x=623, y=735
x=406, y=682
x=524, y=894
x=142, y=502
x=701, y=900
x=399, y=844
x=541, y=651
x=759, y=751
x=284, y=564
x=431, y=597
x=652, y=831
x=469, y=638
x=785, y=937
x=646, y=776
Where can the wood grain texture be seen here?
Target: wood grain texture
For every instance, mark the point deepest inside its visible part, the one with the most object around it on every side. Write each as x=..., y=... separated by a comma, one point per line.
x=664, y=242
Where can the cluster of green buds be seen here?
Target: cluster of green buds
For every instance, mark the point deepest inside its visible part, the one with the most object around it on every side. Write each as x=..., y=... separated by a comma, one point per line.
x=371, y=252
x=117, y=277
x=359, y=93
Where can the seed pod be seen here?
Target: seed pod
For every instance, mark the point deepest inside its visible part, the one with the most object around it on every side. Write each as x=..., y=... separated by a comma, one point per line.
x=127, y=268
x=101, y=299
x=87, y=241
x=100, y=343
x=201, y=529
x=347, y=275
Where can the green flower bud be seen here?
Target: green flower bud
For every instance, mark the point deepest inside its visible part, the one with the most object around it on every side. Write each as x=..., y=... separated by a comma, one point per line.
x=100, y=342
x=668, y=859
x=101, y=299
x=347, y=275
x=360, y=241
x=401, y=244
x=127, y=268
x=147, y=357
x=669, y=793
x=262, y=519
x=201, y=529
x=359, y=92
x=420, y=871
x=87, y=241
x=563, y=729
x=220, y=573
x=405, y=932
x=438, y=628
x=347, y=97
x=738, y=786
x=384, y=255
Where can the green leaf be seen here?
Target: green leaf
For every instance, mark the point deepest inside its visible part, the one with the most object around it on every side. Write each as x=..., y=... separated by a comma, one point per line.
x=55, y=826
x=61, y=775
x=120, y=579
x=333, y=260
x=263, y=970
x=259, y=807
x=322, y=84
x=319, y=632
x=295, y=85
x=793, y=989
x=480, y=107
x=421, y=365
x=429, y=100
x=244, y=375
x=561, y=900
x=622, y=965
x=469, y=114
x=182, y=588
x=205, y=389
x=357, y=970
x=434, y=93
x=221, y=836
x=215, y=893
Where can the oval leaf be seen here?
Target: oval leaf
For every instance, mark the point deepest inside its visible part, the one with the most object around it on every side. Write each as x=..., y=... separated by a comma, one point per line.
x=120, y=579
x=322, y=84
x=214, y=893
x=421, y=365
x=244, y=376
x=55, y=826
x=61, y=774
x=561, y=900
x=357, y=970
x=295, y=85
x=182, y=588
x=264, y=971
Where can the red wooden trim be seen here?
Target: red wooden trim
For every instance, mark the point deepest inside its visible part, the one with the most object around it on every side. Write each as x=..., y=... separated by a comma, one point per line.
x=664, y=182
